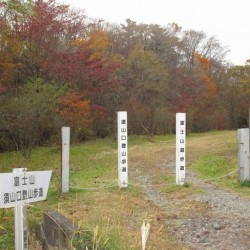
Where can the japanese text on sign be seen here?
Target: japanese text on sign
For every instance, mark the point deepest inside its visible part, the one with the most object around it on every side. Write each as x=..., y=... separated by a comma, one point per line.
x=122, y=149
x=180, y=148
x=16, y=188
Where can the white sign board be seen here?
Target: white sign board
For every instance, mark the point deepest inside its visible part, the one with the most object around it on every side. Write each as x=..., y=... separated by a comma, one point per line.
x=25, y=187
x=180, y=148
x=122, y=148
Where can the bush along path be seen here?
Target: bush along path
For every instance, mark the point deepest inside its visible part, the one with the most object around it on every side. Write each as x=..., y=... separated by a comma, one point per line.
x=199, y=215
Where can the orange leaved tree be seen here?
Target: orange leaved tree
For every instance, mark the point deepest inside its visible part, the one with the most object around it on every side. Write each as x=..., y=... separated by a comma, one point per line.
x=75, y=111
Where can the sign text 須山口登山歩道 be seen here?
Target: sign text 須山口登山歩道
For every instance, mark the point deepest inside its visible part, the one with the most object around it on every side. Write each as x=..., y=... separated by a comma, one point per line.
x=22, y=188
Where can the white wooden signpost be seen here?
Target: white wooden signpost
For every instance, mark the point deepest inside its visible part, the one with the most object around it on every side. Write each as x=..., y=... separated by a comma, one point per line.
x=19, y=188
x=243, y=154
x=122, y=138
x=180, y=148
x=65, y=159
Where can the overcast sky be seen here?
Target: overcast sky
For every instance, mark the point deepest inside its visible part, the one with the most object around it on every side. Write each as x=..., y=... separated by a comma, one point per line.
x=228, y=20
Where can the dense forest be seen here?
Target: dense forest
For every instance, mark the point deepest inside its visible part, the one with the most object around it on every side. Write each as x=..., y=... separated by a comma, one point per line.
x=60, y=68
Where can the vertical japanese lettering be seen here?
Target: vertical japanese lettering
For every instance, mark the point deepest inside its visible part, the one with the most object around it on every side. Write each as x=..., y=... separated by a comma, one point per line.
x=122, y=149
x=180, y=147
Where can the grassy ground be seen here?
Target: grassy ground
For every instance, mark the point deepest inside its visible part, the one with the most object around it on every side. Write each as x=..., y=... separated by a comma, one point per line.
x=114, y=216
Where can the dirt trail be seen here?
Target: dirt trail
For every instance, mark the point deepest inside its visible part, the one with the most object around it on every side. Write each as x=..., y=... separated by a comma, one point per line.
x=212, y=219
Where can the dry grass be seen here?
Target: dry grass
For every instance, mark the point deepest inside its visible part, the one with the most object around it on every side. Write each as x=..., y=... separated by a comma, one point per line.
x=119, y=214
x=123, y=211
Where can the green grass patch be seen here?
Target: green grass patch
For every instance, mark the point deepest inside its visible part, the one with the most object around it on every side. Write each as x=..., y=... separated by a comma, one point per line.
x=245, y=184
x=7, y=237
x=212, y=166
x=93, y=164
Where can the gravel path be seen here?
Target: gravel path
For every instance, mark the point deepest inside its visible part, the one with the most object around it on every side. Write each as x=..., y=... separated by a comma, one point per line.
x=212, y=219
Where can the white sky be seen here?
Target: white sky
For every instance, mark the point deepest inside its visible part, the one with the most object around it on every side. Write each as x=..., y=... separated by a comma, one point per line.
x=228, y=20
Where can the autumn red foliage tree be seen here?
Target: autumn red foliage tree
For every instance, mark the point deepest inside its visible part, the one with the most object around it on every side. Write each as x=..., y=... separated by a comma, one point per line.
x=75, y=112
x=48, y=40
x=149, y=70
x=204, y=68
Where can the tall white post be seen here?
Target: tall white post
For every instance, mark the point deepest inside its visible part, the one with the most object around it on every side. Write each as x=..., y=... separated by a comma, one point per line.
x=180, y=148
x=122, y=138
x=21, y=225
x=65, y=159
x=243, y=154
